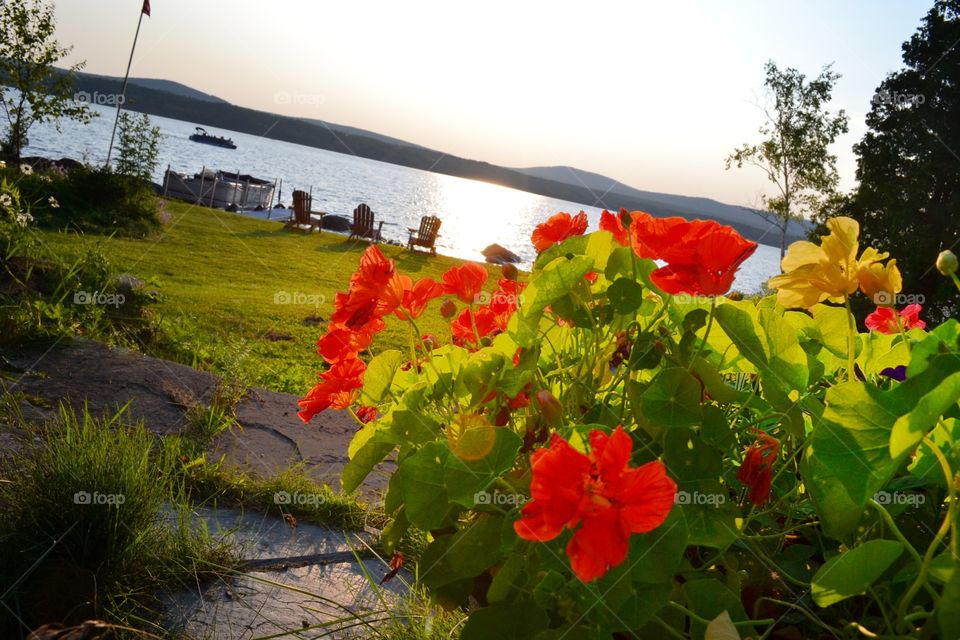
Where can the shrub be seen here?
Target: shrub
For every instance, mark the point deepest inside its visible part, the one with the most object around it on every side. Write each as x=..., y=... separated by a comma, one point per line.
x=43, y=295
x=619, y=450
x=93, y=200
x=82, y=527
x=138, y=146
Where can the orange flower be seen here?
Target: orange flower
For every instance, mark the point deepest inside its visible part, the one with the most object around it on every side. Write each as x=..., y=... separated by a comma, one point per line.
x=613, y=224
x=366, y=413
x=702, y=256
x=341, y=342
x=338, y=388
x=599, y=495
x=653, y=237
x=465, y=282
x=558, y=228
x=416, y=296
x=887, y=320
x=505, y=301
x=756, y=472
x=462, y=326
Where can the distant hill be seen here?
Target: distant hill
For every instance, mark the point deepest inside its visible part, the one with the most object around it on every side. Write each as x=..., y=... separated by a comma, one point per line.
x=608, y=189
x=174, y=100
x=342, y=128
x=167, y=86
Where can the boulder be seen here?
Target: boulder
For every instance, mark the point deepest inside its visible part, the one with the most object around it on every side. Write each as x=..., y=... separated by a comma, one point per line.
x=336, y=223
x=496, y=254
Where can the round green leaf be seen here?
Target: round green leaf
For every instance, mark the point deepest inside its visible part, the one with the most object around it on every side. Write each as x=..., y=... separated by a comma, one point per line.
x=625, y=296
x=851, y=572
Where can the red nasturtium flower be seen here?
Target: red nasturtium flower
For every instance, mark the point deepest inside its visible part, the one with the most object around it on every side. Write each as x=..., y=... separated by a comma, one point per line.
x=338, y=388
x=756, y=471
x=366, y=413
x=462, y=326
x=887, y=320
x=375, y=290
x=416, y=296
x=558, y=228
x=599, y=495
x=702, y=256
x=465, y=281
x=613, y=224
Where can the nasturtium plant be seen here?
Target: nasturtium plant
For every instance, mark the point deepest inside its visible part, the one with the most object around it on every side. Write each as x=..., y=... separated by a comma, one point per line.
x=616, y=446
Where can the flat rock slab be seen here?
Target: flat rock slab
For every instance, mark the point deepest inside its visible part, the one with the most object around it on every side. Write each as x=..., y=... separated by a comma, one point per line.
x=330, y=601
x=272, y=438
x=331, y=593
x=260, y=536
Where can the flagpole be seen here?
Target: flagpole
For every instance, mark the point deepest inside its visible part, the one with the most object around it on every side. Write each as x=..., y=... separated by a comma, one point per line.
x=123, y=89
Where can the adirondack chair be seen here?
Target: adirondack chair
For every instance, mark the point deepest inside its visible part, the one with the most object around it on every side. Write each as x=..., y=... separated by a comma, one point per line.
x=303, y=218
x=426, y=235
x=363, y=221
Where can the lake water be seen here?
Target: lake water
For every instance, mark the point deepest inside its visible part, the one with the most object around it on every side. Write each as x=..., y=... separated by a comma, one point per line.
x=475, y=214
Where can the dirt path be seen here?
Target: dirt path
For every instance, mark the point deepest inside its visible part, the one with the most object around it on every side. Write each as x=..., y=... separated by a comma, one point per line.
x=272, y=436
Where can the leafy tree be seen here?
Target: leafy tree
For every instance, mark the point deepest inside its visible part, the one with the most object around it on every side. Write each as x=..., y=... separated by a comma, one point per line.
x=138, y=147
x=908, y=197
x=795, y=151
x=28, y=53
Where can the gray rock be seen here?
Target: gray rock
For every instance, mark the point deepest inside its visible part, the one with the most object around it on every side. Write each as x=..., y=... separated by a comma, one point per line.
x=497, y=254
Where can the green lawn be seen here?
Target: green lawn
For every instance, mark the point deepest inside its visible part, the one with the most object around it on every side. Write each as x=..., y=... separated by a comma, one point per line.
x=240, y=295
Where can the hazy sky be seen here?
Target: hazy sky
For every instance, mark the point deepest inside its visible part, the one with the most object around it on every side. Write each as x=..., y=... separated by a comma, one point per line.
x=652, y=94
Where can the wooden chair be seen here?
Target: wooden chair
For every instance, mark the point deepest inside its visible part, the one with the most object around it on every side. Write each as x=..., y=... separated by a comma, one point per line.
x=363, y=221
x=303, y=218
x=426, y=235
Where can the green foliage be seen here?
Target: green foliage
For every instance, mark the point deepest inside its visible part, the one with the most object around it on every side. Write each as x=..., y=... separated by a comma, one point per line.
x=138, y=146
x=28, y=55
x=794, y=153
x=81, y=523
x=861, y=512
x=45, y=294
x=93, y=200
x=909, y=179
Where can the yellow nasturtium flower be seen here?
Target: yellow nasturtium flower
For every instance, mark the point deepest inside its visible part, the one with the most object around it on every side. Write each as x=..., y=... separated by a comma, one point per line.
x=831, y=270
x=879, y=282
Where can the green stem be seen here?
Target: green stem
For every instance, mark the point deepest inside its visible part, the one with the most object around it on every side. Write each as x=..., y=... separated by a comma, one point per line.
x=892, y=526
x=938, y=538
x=851, y=340
x=956, y=281
x=706, y=334
x=810, y=616
x=473, y=323
x=702, y=620
x=673, y=632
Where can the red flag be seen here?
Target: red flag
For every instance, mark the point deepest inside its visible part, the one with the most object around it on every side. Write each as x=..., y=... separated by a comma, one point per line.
x=146, y=7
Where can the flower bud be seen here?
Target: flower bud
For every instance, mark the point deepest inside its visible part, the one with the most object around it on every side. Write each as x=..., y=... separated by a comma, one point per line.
x=550, y=408
x=947, y=263
x=448, y=309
